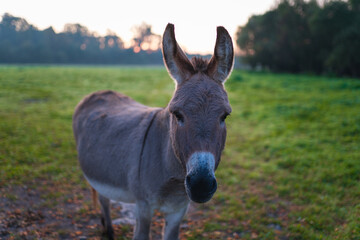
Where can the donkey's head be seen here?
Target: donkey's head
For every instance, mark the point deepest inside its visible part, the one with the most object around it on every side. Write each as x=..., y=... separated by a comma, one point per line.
x=198, y=110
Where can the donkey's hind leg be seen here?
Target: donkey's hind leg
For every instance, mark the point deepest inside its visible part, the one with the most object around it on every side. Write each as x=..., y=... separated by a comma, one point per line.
x=105, y=216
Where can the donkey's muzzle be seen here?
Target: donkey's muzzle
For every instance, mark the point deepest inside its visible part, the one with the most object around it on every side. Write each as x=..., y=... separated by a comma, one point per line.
x=200, y=181
x=200, y=189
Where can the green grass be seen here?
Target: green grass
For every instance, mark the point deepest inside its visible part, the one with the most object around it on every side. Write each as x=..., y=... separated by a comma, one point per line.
x=290, y=169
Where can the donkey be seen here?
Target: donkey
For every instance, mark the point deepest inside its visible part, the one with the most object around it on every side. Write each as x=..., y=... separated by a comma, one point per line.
x=158, y=158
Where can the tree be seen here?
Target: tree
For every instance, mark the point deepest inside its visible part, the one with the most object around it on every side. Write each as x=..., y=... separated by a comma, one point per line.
x=280, y=38
x=299, y=36
x=344, y=58
x=325, y=25
x=15, y=24
x=145, y=39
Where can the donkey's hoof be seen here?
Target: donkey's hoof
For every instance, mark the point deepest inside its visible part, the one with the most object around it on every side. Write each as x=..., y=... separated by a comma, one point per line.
x=109, y=234
x=103, y=223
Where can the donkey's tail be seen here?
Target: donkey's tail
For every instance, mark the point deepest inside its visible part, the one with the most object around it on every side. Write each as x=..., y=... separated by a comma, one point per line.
x=94, y=197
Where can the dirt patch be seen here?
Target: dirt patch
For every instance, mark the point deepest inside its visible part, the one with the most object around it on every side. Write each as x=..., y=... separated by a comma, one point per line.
x=47, y=210
x=51, y=212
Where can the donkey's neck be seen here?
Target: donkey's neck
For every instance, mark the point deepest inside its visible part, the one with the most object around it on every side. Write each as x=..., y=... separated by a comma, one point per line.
x=172, y=166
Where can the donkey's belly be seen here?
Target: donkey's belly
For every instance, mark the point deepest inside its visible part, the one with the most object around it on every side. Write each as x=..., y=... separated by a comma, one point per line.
x=111, y=192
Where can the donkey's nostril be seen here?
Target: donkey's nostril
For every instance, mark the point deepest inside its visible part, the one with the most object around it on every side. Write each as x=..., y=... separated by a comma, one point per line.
x=213, y=186
x=188, y=179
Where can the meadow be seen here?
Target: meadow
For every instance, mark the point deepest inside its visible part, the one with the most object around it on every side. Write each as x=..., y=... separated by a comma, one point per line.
x=290, y=168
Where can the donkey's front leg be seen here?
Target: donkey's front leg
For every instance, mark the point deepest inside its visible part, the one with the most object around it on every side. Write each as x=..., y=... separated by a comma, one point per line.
x=172, y=224
x=143, y=221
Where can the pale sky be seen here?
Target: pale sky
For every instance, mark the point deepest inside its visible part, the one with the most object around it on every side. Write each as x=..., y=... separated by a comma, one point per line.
x=195, y=20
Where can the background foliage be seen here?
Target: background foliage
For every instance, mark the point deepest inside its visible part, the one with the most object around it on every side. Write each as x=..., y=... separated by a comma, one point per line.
x=303, y=36
x=21, y=42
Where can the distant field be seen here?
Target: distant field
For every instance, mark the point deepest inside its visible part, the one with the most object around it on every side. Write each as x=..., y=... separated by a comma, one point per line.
x=290, y=169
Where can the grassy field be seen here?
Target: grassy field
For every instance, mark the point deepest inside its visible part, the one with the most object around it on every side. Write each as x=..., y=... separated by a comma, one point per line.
x=290, y=169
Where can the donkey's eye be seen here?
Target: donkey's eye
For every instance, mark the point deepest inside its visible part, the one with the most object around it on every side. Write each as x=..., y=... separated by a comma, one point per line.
x=179, y=117
x=223, y=117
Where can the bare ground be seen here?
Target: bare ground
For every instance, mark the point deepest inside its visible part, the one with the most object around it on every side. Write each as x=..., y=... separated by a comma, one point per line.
x=44, y=210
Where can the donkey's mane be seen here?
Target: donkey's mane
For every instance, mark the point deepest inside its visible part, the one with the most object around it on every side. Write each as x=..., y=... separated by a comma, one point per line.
x=199, y=64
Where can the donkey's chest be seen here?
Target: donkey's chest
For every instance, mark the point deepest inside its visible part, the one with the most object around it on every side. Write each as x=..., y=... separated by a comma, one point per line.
x=172, y=197
x=172, y=205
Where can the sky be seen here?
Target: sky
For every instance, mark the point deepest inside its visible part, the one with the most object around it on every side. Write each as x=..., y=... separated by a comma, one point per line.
x=195, y=20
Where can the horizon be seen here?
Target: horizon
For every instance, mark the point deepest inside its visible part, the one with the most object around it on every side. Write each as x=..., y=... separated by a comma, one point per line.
x=195, y=30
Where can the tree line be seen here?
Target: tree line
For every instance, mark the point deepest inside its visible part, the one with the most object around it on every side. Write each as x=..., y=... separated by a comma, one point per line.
x=304, y=36
x=21, y=42
x=294, y=36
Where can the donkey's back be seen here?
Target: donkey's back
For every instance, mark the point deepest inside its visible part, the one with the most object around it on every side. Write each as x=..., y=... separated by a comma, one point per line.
x=109, y=129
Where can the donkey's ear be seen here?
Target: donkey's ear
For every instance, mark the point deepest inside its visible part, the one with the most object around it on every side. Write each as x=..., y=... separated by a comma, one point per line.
x=221, y=63
x=176, y=62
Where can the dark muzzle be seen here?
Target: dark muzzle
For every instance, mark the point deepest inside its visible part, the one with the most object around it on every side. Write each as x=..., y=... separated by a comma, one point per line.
x=200, y=181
